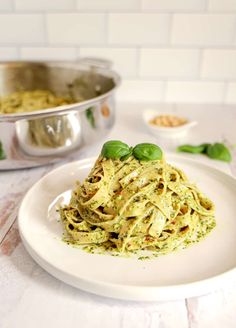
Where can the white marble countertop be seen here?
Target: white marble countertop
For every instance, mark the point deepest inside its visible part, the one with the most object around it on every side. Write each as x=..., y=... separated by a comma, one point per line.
x=30, y=297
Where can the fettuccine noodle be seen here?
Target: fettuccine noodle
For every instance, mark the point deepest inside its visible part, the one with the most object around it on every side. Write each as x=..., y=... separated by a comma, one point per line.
x=131, y=205
x=28, y=101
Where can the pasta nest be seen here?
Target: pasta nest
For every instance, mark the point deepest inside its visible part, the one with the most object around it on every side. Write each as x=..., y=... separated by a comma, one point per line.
x=131, y=205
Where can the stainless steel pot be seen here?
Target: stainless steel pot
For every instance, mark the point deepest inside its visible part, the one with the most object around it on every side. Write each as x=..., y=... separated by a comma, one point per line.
x=44, y=136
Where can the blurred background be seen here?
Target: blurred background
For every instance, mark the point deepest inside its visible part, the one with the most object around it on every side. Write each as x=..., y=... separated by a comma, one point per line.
x=165, y=50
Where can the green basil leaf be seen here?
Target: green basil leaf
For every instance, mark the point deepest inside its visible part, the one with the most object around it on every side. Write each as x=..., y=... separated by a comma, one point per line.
x=219, y=151
x=147, y=152
x=115, y=149
x=2, y=153
x=193, y=149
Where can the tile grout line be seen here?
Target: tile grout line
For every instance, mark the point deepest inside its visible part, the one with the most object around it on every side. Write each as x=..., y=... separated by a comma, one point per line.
x=225, y=89
x=166, y=46
x=207, y=7
x=200, y=64
x=171, y=27
x=106, y=27
x=137, y=11
x=138, y=63
x=45, y=30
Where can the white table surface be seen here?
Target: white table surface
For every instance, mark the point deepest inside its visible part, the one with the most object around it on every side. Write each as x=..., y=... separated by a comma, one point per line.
x=31, y=298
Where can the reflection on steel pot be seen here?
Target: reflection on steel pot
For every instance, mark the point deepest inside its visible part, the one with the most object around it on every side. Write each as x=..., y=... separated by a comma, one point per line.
x=42, y=136
x=49, y=135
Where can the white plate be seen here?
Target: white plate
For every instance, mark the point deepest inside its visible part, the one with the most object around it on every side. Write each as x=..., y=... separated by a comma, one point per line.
x=196, y=270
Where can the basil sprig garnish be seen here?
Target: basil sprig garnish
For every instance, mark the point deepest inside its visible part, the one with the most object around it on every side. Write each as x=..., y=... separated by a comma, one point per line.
x=215, y=151
x=116, y=149
x=200, y=149
x=147, y=152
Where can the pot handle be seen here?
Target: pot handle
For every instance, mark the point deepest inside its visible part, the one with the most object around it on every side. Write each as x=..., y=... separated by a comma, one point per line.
x=95, y=62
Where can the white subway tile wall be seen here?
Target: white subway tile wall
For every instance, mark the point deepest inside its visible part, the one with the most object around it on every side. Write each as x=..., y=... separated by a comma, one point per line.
x=16, y=29
x=48, y=53
x=231, y=93
x=203, y=30
x=44, y=5
x=124, y=59
x=219, y=64
x=8, y=53
x=173, y=5
x=194, y=92
x=138, y=29
x=169, y=63
x=108, y=5
x=76, y=29
x=165, y=50
x=222, y=5
x=141, y=91
x=6, y=5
